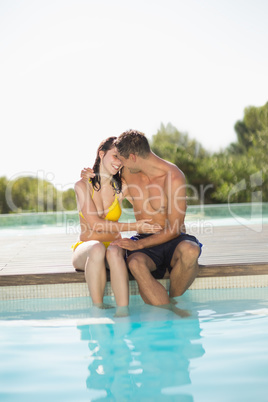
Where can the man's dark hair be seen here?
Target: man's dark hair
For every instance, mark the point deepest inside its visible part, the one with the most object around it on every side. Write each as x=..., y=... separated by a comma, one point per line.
x=132, y=142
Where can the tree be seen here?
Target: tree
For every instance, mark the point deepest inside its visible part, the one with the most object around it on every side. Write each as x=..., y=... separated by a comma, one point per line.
x=4, y=209
x=252, y=136
x=232, y=175
x=69, y=200
x=30, y=194
x=251, y=129
x=186, y=153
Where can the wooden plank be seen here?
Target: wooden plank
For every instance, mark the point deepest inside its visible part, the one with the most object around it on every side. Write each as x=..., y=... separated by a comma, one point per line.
x=222, y=270
x=206, y=271
x=42, y=279
x=226, y=248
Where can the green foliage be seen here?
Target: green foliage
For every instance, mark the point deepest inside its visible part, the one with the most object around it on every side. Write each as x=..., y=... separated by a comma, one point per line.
x=186, y=153
x=126, y=204
x=69, y=200
x=251, y=129
x=4, y=209
x=233, y=175
x=252, y=136
x=222, y=177
x=30, y=194
x=230, y=176
x=171, y=144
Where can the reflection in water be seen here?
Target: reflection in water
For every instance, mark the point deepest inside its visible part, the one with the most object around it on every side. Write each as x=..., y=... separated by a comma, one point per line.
x=142, y=360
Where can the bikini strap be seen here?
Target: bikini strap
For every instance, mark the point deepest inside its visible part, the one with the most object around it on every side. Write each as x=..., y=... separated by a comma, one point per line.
x=89, y=180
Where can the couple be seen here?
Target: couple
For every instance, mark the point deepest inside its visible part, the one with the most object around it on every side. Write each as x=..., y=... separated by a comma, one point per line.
x=125, y=167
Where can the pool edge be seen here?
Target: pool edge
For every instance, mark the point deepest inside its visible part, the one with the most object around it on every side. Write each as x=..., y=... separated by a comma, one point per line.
x=73, y=284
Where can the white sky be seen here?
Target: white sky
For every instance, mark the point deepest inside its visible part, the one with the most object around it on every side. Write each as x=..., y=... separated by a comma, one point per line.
x=74, y=72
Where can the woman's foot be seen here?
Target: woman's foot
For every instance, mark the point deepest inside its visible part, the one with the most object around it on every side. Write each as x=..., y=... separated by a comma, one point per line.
x=121, y=311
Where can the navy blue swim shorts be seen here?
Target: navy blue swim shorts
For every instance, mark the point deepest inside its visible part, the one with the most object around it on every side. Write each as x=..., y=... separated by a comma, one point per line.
x=162, y=253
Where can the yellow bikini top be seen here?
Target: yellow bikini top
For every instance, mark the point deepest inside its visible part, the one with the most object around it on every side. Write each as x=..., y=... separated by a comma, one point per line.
x=114, y=211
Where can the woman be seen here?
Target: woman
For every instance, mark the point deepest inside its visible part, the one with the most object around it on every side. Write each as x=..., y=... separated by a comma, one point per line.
x=99, y=205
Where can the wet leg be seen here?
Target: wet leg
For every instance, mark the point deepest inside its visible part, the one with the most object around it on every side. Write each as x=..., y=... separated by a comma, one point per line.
x=151, y=290
x=119, y=276
x=90, y=257
x=184, y=265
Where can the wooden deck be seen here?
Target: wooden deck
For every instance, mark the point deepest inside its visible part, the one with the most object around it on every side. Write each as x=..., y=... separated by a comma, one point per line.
x=43, y=259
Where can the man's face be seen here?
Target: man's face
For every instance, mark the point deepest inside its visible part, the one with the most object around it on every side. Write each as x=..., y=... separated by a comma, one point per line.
x=130, y=163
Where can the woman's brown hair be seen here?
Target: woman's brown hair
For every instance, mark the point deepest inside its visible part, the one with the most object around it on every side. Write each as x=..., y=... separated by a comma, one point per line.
x=116, y=180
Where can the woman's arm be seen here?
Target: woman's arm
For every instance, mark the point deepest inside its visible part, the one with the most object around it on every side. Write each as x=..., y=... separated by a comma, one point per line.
x=87, y=206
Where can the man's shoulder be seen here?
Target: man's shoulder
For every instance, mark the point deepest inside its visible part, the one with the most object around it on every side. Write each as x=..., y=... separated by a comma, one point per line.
x=173, y=171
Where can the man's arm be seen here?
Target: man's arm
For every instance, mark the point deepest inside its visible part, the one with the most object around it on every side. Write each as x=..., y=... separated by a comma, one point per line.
x=101, y=225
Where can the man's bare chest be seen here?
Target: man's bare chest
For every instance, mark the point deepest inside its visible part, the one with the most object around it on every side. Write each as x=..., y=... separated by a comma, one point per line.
x=149, y=197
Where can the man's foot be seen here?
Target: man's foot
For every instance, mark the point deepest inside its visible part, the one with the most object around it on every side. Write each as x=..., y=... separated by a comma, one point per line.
x=178, y=311
x=102, y=306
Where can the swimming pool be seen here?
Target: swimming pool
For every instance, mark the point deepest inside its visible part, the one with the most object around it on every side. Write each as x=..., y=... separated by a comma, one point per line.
x=197, y=216
x=66, y=350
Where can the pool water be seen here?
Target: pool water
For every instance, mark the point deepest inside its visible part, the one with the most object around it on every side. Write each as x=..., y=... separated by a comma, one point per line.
x=67, y=222
x=67, y=350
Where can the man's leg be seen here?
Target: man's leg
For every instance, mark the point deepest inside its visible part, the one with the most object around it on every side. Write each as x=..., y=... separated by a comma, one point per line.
x=151, y=291
x=184, y=265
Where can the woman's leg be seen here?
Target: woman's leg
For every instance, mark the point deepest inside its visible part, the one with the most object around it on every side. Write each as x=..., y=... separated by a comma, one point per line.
x=90, y=257
x=119, y=274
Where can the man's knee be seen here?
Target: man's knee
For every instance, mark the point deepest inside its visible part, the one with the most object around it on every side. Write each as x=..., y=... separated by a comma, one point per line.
x=188, y=251
x=192, y=250
x=136, y=262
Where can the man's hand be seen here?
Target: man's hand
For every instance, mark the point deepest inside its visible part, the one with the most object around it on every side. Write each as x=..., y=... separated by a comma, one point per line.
x=87, y=174
x=126, y=243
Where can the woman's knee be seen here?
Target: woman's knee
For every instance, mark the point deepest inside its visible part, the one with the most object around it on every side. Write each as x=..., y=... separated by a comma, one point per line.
x=114, y=253
x=97, y=252
x=77, y=263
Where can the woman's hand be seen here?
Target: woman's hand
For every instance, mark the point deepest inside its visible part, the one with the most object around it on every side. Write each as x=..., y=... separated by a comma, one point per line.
x=87, y=174
x=143, y=226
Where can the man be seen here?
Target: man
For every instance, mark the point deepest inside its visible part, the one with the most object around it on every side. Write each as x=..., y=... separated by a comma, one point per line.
x=157, y=190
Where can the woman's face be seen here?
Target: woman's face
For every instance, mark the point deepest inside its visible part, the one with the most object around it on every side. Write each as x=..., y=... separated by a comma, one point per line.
x=110, y=161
